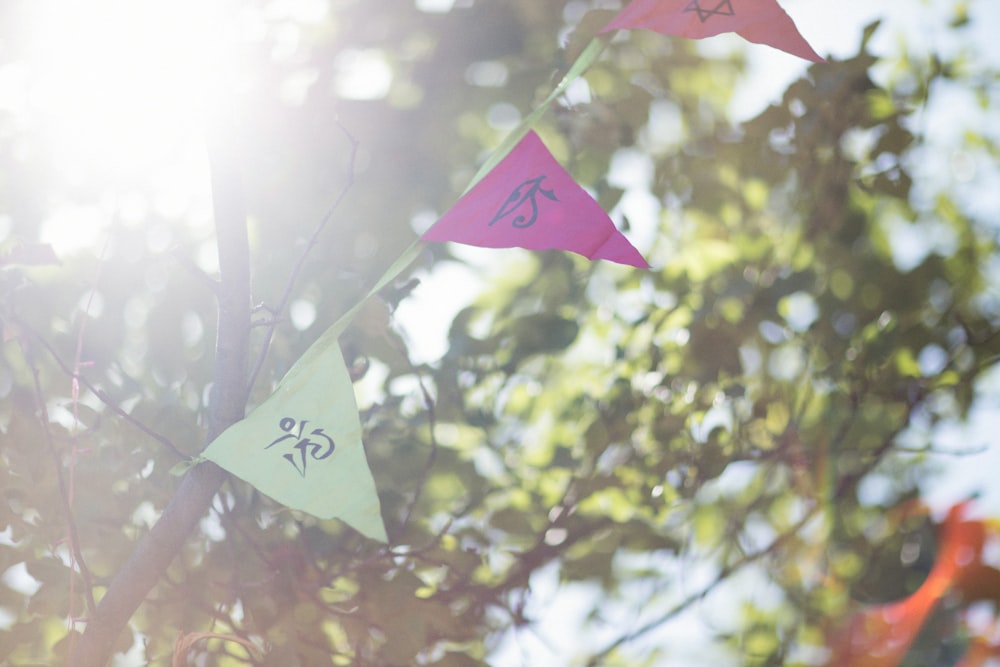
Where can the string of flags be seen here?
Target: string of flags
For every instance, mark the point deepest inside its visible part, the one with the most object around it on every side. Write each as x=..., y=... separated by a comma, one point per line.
x=302, y=446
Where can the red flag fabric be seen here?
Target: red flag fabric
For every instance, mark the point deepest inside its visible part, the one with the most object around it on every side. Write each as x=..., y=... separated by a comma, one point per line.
x=880, y=636
x=758, y=21
x=529, y=201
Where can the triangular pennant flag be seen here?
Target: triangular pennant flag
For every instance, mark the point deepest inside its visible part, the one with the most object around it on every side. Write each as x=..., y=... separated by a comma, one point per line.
x=880, y=636
x=758, y=21
x=529, y=201
x=302, y=446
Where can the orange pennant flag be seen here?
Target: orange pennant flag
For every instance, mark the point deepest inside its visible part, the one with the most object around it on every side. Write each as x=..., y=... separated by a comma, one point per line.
x=529, y=201
x=880, y=636
x=758, y=21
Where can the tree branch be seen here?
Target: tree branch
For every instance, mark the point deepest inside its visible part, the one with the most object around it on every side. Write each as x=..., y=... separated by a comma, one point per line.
x=193, y=497
x=297, y=269
x=102, y=395
x=64, y=494
x=727, y=571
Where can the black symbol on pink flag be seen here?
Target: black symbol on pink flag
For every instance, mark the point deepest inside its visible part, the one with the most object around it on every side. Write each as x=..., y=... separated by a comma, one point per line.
x=547, y=211
x=519, y=197
x=722, y=8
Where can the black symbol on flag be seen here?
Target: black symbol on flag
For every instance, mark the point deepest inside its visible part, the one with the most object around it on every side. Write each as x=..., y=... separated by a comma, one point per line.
x=722, y=8
x=518, y=198
x=316, y=450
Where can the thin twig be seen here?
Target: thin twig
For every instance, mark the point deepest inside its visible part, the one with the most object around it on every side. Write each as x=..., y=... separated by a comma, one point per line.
x=432, y=456
x=297, y=269
x=843, y=486
x=681, y=606
x=74, y=539
x=100, y=393
x=186, y=263
x=74, y=452
x=930, y=449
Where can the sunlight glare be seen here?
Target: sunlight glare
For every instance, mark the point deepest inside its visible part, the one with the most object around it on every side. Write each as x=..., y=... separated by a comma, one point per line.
x=114, y=94
x=362, y=74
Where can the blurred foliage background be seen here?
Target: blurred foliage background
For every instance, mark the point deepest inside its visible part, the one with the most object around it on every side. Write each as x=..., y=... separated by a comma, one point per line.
x=746, y=418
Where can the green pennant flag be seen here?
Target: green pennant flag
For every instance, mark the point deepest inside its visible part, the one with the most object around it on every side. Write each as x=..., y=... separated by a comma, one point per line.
x=302, y=446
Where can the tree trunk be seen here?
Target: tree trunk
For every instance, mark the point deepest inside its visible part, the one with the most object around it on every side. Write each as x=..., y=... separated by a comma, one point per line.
x=157, y=549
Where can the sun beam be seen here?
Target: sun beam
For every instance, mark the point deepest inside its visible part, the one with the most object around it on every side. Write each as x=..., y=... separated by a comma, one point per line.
x=113, y=95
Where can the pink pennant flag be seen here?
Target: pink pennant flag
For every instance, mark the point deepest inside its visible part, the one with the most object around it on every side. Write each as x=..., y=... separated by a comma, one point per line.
x=529, y=201
x=758, y=21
